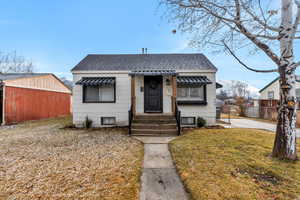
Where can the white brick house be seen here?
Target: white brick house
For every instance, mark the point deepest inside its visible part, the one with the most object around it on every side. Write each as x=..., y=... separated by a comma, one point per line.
x=108, y=86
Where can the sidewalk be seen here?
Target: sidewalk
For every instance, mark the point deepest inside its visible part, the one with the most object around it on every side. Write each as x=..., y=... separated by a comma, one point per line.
x=248, y=123
x=160, y=180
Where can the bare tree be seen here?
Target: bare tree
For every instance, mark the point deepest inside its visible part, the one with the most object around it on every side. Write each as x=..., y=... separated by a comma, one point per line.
x=234, y=24
x=11, y=62
x=239, y=89
x=223, y=95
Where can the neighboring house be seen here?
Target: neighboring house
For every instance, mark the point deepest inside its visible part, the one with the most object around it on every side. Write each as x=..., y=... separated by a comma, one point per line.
x=149, y=85
x=32, y=96
x=271, y=90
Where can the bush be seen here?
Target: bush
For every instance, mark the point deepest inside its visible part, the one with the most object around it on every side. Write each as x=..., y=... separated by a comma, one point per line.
x=201, y=122
x=87, y=123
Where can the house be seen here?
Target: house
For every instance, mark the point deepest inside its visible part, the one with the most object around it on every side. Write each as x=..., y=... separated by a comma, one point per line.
x=150, y=86
x=271, y=90
x=269, y=99
x=32, y=96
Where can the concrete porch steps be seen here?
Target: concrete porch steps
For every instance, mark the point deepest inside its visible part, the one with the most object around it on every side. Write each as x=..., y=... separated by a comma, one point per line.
x=161, y=126
x=154, y=125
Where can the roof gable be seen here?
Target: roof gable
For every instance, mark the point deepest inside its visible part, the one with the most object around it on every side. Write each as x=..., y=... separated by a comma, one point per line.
x=13, y=76
x=45, y=81
x=276, y=79
x=128, y=62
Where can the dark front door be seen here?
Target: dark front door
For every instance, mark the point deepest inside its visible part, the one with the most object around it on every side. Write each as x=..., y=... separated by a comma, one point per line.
x=153, y=96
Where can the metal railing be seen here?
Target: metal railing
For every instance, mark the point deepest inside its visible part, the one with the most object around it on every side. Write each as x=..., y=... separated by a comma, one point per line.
x=178, y=118
x=130, y=118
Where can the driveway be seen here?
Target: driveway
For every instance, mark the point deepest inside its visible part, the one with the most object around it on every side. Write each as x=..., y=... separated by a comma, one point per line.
x=248, y=123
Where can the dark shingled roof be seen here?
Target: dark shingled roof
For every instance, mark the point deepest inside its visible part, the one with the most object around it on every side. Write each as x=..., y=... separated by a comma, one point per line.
x=12, y=76
x=128, y=62
x=153, y=72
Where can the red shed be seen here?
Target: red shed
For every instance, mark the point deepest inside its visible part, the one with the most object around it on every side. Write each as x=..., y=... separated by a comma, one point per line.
x=32, y=96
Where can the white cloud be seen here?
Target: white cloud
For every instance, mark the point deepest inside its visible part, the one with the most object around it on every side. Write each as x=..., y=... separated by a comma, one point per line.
x=181, y=46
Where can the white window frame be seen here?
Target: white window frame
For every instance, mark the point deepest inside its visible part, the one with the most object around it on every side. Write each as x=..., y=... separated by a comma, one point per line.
x=273, y=95
x=189, y=97
x=188, y=124
x=104, y=118
x=113, y=100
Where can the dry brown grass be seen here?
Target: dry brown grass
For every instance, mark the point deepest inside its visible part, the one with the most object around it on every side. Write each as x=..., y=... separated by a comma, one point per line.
x=41, y=161
x=234, y=164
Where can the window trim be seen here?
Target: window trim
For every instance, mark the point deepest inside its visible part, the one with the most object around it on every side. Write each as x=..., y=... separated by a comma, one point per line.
x=102, y=121
x=195, y=102
x=273, y=94
x=193, y=124
x=83, y=95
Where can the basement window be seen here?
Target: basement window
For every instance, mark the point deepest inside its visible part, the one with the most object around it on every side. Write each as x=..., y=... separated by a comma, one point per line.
x=108, y=120
x=188, y=120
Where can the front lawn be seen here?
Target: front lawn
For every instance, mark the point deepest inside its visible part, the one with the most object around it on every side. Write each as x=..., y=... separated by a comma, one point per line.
x=234, y=164
x=39, y=160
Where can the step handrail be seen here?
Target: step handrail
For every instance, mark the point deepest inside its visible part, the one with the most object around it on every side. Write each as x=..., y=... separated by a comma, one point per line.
x=178, y=118
x=130, y=118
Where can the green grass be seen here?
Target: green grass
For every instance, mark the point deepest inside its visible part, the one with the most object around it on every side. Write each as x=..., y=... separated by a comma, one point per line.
x=234, y=164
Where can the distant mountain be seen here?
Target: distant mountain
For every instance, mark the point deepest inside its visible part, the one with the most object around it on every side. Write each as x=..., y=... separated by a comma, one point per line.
x=68, y=83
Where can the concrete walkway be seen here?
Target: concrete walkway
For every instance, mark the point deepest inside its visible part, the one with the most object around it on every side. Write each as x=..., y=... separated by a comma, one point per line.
x=248, y=123
x=160, y=180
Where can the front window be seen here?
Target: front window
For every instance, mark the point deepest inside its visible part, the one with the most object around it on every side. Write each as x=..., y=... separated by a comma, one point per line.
x=190, y=93
x=98, y=94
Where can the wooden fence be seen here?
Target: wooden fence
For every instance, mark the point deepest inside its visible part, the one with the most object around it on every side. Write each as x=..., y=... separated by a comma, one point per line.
x=268, y=110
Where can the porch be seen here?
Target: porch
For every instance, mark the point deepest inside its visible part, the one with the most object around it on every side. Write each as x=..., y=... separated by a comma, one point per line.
x=153, y=103
x=154, y=106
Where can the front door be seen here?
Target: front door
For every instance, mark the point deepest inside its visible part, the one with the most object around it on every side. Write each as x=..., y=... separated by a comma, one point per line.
x=153, y=95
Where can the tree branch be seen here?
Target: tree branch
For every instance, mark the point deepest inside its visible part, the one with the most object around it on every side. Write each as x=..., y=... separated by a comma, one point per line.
x=243, y=64
x=238, y=23
x=262, y=12
x=297, y=20
x=264, y=47
x=270, y=37
x=208, y=11
x=259, y=21
x=295, y=65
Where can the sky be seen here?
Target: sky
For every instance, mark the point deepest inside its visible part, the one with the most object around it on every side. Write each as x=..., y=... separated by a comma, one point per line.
x=57, y=34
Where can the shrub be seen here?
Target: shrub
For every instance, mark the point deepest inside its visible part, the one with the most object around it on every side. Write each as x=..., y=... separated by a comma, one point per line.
x=201, y=122
x=87, y=123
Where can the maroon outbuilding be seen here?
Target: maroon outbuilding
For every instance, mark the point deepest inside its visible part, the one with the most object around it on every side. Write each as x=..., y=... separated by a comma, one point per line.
x=32, y=96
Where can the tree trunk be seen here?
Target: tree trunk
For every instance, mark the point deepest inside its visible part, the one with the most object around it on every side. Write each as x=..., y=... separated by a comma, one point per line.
x=285, y=142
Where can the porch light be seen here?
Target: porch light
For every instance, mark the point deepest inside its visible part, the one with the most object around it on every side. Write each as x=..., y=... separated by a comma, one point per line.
x=168, y=82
